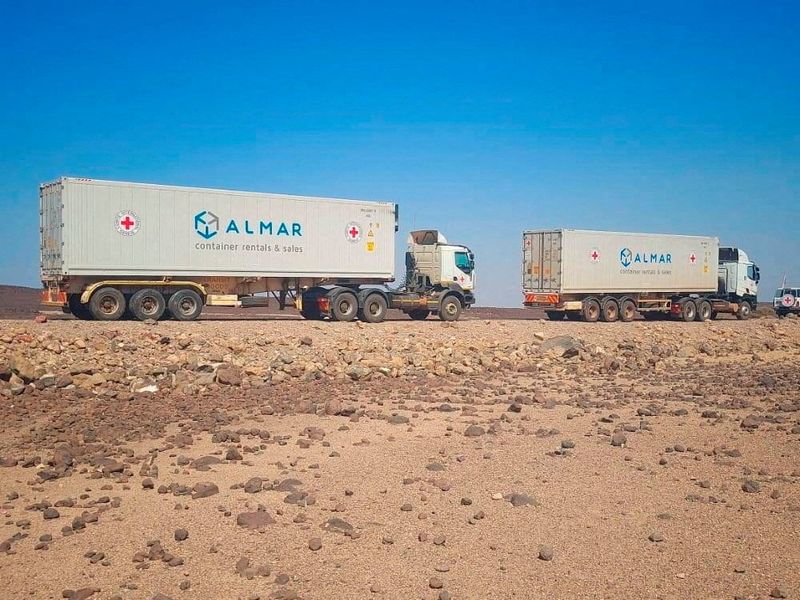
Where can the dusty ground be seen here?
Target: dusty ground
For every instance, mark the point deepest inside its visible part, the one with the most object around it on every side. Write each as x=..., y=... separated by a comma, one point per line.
x=643, y=460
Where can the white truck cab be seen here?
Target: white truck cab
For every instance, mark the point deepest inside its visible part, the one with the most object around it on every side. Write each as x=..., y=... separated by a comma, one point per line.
x=432, y=262
x=738, y=276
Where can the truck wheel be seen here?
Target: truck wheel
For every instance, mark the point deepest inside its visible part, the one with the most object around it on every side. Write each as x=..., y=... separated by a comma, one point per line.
x=610, y=311
x=591, y=310
x=185, y=305
x=147, y=304
x=688, y=311
x=703, y=310
x=744, y=311
x=627, y=310
x=374, y=309
x=78, y=309
x=107, y=304
x=450, y=309
x=419, y=314
x=555, y=315
x=344, y=306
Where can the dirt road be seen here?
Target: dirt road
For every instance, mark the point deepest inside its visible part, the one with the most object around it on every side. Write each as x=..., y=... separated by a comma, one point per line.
x=489, y=459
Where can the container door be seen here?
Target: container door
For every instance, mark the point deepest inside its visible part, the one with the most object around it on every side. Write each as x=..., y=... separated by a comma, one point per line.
x=542, y=261
x=50, y=229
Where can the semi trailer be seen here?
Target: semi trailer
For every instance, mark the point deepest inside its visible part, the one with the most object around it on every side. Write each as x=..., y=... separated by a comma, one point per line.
x=609, y=276
x=112, y=249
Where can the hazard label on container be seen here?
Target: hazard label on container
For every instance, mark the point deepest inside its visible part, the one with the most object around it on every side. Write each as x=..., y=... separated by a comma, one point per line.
x=370, y=246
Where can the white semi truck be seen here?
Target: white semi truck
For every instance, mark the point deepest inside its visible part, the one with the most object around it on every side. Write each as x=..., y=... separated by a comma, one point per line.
x=110, y=249
x=608, y=276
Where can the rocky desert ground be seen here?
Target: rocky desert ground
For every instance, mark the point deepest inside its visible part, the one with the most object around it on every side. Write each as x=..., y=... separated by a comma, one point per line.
x=484, y=459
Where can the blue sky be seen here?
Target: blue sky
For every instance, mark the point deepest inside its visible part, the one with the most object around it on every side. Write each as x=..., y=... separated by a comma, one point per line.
x=478, y=118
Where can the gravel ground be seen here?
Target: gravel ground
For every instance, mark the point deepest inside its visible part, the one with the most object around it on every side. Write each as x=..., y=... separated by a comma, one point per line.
x=487, y=459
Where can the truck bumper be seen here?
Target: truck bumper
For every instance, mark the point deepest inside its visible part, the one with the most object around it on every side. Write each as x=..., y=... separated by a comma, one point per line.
x=542, y=300
x=51, y=297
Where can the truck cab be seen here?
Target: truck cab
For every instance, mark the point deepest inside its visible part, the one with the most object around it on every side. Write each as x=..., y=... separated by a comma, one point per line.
x=431, y=262
x=440, y=280
x=787, y=301
x=738, y=276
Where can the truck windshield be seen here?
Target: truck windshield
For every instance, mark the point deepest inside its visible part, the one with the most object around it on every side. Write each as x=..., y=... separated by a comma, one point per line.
x=464, y=262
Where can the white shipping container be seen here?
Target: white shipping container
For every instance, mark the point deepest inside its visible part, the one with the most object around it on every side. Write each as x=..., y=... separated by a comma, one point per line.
x=569, y=261
x=106, y=228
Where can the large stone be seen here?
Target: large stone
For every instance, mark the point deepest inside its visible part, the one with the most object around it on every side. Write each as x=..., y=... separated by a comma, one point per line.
x=204, y=463
x=204, y=489
x=564, y=346
x=229, y=375
x=23, y=368
x=257, y=519
x=357, y=372
x=337, y=525
x=474, y=431
x=253, y=485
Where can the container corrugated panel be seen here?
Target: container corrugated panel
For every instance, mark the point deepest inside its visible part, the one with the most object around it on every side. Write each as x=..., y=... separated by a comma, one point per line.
x=128, y=229
x=570, y=261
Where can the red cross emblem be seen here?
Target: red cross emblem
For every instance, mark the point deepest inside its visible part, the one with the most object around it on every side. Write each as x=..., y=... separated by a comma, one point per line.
x=353, y=232
x=693, y=258
x=595, y=255
x=127, y=223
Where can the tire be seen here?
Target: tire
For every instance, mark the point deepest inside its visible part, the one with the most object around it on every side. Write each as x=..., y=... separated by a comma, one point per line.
x=374, y=309
x=627, y=310
x=703, y=310
x=107, y=304
x=450, y=308
x=185, y=305
x=610, y=311
x=744, y=312
x=591, y=310
x=344, y=306
x=147, y=304
x=688, y=311
x=419, y=314
x=78, y=309
x=555, y=315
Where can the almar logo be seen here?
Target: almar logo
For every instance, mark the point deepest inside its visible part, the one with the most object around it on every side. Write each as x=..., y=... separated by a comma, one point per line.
x=626, y=257
x=206, y=224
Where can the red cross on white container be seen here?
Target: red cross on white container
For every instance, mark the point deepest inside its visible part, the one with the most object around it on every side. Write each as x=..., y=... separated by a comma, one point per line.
x=353, y=232
x=127, y=222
